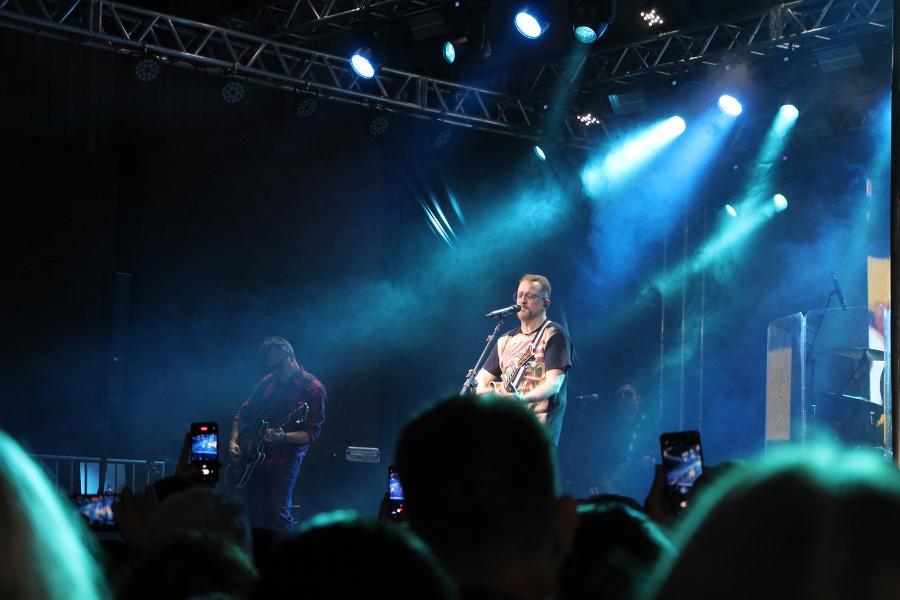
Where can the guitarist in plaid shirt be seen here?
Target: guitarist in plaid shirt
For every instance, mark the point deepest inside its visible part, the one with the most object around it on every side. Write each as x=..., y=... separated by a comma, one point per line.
x=286, y=388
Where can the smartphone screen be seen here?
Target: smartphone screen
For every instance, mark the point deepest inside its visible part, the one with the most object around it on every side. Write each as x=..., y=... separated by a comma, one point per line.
x=682, y=459
x=205, y=450
x=395, y=495
x=97, y=510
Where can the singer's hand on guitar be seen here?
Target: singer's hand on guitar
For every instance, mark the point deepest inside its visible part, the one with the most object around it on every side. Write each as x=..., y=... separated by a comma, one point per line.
x=498, y=388
x=234, y=451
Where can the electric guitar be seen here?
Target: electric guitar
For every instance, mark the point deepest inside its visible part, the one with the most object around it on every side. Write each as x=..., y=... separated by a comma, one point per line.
x=253, y=447
x=512, y=379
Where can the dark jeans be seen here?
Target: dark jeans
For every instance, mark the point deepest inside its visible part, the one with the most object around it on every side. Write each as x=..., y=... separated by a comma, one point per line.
x=269, y=495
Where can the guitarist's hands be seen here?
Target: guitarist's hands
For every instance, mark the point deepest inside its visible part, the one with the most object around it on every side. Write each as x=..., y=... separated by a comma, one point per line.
x=500, y=391
x=274, y=435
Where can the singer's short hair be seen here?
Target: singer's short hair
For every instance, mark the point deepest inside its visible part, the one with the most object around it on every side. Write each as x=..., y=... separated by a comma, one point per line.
x=539, y=279
x=276, y=342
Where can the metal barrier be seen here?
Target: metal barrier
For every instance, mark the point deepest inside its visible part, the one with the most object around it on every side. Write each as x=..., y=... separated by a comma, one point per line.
x=81, y=474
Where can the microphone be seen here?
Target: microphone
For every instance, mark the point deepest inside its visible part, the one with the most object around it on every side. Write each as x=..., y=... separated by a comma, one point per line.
x=504, y=312
x=837, y=291
x=588, y=397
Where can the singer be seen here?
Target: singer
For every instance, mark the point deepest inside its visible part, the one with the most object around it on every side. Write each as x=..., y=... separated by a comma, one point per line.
x=531, y=362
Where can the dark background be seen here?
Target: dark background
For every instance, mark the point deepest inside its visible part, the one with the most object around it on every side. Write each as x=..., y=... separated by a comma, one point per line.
x=239, y=222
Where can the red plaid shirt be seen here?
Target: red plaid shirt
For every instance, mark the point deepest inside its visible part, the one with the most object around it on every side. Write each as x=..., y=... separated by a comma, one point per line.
x=273, y=400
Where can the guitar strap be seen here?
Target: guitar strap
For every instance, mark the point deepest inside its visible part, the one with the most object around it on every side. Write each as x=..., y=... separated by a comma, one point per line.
x=532, y=346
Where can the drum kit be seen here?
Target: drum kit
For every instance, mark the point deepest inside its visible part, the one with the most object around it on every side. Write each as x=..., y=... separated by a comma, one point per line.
x=857, y=418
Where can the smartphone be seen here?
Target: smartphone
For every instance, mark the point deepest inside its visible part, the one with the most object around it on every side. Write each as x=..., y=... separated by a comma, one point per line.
x=205, y=450
x=682, y=459
x=395, y=495
x=97, y=510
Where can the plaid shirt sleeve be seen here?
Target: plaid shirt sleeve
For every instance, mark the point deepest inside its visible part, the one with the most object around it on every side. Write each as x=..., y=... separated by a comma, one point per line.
x=316, y=398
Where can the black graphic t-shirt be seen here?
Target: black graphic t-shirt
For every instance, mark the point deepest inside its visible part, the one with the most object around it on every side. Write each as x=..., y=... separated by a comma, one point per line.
x=552, y=351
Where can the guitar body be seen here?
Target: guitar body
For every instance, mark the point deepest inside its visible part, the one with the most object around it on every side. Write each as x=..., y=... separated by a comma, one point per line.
x=253, y=447
x=512, y=379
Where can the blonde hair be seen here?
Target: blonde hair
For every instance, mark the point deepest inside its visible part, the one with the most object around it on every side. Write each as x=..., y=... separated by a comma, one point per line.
x=539, y=279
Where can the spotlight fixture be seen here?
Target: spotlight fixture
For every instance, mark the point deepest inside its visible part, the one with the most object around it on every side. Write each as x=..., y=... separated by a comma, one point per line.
x=363, y=63
x=532, y=21
x=789, y=111
x=379, y=125
x=539, y=152
x=443, y=138
x=730, y=211
x=147, y=69
x=592, y=18
x=448, y=51
x=730, y=105
x=673, y=127
x=651, y=18
x=308, y=105
x=780, y=202
x=588, y=119
x=468, y=37
x=233, y=91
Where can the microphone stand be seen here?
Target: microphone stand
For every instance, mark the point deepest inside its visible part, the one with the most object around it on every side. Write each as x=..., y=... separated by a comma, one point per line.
x=811, y=356
x=471, y=384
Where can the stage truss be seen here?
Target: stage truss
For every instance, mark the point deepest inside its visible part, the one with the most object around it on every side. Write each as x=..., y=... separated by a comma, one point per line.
x=282, y=63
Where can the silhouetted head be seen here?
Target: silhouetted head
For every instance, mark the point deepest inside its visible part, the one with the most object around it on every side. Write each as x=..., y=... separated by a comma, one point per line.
x=817, y=523
x=615, y=549
x=342, y=556
x=479, y=478
x=188, y=564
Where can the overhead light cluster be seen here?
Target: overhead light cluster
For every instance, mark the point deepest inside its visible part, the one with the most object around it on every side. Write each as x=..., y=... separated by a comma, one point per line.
x=590, y=19
x=651, y=18
x=378, y=125
x=588, y=119
x=147, y=69
x=233, y=91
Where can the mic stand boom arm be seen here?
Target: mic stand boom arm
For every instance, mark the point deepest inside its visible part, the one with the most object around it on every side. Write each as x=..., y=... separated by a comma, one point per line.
x=471, y=384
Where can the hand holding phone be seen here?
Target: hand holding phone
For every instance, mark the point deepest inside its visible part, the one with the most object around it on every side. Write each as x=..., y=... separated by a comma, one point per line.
x=395, y=496
x=682, y=461
x=204, y=455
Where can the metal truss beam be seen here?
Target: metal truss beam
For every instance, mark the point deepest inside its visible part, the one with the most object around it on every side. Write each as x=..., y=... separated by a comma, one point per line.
x=766, y=32
x=298, y=20
x=126, y=29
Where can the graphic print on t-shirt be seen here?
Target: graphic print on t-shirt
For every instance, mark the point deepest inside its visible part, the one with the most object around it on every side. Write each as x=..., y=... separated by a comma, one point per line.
x=518, y=346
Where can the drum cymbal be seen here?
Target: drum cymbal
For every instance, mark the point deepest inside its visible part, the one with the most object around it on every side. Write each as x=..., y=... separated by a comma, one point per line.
x=859, y=353
x=833, y=396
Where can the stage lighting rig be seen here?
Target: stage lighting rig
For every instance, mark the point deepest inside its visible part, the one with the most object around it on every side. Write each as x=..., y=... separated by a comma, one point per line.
x=147, y=69
x=592, y=18
x=379, y=124
x=442, y=138
x=233, y=91
x=469, y=34
x=364, y=63
x=587, y=119
x=780, y=202
x=533, y=19
x=730, y=105
x=308, y=105
x=651, y=18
